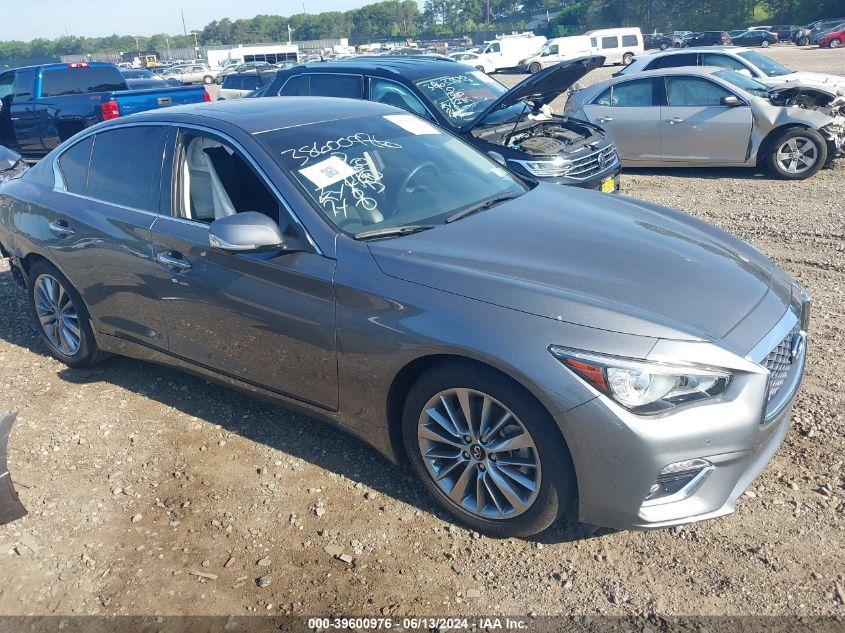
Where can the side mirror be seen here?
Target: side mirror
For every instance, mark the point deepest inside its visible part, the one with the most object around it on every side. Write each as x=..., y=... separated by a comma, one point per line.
x=247, y=231
x=497, y=157
x=731, y=101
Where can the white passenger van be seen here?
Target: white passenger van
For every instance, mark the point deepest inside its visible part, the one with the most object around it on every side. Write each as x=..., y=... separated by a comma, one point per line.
x=506, y=51
x=554, y=51
x=618, y=46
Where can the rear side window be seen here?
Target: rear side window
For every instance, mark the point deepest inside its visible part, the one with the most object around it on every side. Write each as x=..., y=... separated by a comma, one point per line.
x=631, y=94
x=328, y=85
x=610, y=42
x=296, y=86
x=725, y=61
x=629, y=40
x=23, y=85
x=75, y=81
x=74, y=166
x=674, y=61
x=124, y=165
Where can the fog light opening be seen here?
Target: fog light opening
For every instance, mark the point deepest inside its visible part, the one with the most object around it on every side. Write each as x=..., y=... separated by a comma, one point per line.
x=678, y=481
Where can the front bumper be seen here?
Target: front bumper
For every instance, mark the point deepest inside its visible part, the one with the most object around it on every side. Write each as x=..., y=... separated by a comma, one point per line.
x=618, y=455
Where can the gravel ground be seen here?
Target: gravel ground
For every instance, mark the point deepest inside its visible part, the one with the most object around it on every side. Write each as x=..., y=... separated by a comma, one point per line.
x=152, y=492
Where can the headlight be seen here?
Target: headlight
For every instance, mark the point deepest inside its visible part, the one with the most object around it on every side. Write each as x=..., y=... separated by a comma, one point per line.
x=557, y=166
x=644, y=387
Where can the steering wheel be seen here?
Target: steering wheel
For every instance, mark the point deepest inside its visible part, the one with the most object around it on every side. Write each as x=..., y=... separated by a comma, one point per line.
x=408, y=187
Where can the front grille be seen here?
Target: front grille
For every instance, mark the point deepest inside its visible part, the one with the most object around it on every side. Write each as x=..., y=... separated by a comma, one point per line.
x=778, y=363
x=592, y=164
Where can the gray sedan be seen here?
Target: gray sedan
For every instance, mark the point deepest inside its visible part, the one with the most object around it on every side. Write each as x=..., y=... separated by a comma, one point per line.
x=529, y=350
x=706, y=116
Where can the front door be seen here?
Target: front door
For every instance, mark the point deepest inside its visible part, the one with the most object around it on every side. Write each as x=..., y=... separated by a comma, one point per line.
x=264, y=318
x=23, y=115
x=697, y=128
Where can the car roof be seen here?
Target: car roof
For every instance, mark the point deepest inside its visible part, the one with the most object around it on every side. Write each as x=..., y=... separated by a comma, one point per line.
x=254, y=116
x=698, y=49
x=698, y=71
x=62, y=65
x=413, y=68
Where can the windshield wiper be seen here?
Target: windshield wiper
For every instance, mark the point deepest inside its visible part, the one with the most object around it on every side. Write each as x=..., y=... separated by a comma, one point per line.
x=392, y=231
x=481, y=206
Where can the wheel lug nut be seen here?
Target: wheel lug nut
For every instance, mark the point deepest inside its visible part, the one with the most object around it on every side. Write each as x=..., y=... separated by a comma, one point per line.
x=466, y=454
x=493, y=457
x=467, y=438
x=481, y=466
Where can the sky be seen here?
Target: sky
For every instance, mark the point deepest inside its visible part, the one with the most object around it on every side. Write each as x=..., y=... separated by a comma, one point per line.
x=28, y=19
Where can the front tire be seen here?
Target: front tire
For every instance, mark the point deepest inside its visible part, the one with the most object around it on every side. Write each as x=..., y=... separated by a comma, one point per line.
x=835, y=43
x=803, y=41
x=535, y=67
x=797, y=154
x=489, y=454
x=627, y=58
x=208, y=80
x=765, y=43
x=60, y=315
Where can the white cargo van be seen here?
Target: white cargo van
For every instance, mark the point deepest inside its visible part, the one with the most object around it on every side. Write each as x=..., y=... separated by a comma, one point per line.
x=554, y=51
x=618, y=46
x=506, y=51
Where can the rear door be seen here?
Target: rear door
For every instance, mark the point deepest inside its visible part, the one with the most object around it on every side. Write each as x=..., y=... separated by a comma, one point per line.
x=23, y=115
x=7, y=130
x=265, y=318
x=697, y=128
x=100, y=228
x=630, y=112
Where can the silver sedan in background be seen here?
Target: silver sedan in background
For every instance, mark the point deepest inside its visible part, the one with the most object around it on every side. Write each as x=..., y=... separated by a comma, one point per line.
x=708, y=116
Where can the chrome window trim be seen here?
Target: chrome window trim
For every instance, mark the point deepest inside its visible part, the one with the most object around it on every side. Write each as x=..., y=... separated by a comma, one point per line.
x=361, y=75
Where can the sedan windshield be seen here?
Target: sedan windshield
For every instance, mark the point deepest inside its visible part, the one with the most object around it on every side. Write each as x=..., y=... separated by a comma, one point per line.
x=384, y=172
x=751, y=86
x=462, y=97
x=768, y=66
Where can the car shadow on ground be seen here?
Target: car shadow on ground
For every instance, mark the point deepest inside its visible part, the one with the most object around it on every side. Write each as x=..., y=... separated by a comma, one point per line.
x=706, y=173
x=260, y=421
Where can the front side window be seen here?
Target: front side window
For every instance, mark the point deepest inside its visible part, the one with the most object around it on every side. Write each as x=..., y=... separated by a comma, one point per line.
x=768, y=66
x=125, y=164
x=374, y=172
x=75, y=81
x=693, y=91
x=461, y=97
x=725, y=61
x=552, y=50
x=74, y=166
x=332, y=85
x=392, y=93
x=296, y=86
x=610, y=42
x=7, y=83
x=494, y=48
x=745, y=83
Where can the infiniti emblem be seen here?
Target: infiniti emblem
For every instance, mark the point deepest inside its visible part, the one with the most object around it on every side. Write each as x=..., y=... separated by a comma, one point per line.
x=796, y=346
x=477, y=452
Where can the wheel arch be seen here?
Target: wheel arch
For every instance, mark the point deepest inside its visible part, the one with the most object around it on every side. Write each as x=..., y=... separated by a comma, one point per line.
x=765, y=144
x=403, y=381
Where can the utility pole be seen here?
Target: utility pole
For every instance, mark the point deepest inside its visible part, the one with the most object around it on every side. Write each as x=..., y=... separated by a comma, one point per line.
x=184, y=28
x=289, y=32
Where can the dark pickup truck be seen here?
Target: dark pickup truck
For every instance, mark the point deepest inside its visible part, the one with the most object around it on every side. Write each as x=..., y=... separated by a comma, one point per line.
x=41, y=106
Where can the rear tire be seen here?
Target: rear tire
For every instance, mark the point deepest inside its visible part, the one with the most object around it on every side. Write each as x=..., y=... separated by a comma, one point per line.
x=627, y=58
x=765, y=43
x=208, y=79
x=835, y=43
x=535, y=68
x=487, y=473
x=803, y=41
x=797, y=154
x=60, y=316
x=664, y=46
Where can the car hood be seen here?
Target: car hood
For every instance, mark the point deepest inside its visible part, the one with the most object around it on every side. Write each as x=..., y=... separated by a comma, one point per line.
x=832, y=84
x=542, y=87
x=578, y=256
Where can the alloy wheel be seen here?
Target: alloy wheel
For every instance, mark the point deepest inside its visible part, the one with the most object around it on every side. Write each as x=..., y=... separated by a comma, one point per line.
x=479, y=454
x=797, y=155
x=834, y=43
x=57, y=315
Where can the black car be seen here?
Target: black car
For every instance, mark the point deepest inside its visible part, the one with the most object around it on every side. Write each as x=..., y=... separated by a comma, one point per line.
x=785, y=31
x=652, y=41
x=514, y=126
x=755, y=38
x=708, y=38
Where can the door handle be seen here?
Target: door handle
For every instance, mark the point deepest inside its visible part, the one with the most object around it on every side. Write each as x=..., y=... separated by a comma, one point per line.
x=674, y=119
x=605, y=119
x=60, y=228
x=171, y=259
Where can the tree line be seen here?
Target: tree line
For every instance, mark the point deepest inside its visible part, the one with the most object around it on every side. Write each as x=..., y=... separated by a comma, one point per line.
x=399, y=19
